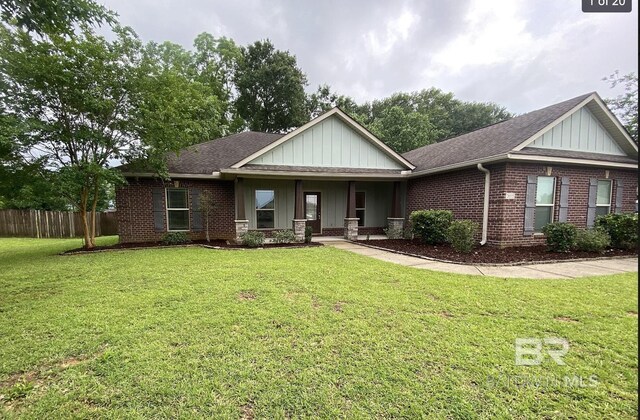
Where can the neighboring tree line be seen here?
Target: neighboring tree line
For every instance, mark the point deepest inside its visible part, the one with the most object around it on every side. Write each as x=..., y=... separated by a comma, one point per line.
x=74, y=102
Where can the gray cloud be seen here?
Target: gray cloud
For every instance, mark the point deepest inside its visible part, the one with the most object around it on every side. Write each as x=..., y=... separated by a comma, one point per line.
x=520, y=54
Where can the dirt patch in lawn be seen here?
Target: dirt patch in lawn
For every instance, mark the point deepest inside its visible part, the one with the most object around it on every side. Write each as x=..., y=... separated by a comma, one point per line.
x=216, y=244
x=566, y=319
x=247, y=295
x=490, y=254
x=18, y=385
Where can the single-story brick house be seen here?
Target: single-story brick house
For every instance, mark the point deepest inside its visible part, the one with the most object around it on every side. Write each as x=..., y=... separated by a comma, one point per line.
x=567, y=162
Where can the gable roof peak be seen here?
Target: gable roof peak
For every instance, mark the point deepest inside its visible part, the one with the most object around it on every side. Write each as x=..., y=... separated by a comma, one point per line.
x=500, y=138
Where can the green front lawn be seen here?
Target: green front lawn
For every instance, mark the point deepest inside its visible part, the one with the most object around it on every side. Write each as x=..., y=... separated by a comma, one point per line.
x=187, y=332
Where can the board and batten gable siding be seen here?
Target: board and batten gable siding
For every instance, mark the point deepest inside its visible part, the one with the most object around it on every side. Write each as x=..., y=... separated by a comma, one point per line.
x=331, y=144
x=582, y=132
x=333, y=209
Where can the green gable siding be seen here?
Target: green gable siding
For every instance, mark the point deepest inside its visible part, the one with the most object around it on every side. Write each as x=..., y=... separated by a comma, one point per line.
x=582, y=132
x=332, y=144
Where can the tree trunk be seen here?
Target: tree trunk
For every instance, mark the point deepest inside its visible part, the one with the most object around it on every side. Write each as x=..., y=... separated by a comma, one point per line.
x=94, y=205
x=88, y=244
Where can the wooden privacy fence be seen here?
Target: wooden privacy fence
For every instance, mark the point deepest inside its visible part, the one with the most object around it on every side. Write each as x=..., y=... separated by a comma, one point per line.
x=52, y=224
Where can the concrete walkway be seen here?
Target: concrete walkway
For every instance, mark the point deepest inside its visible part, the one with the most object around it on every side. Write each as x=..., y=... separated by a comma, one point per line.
x=565, y=270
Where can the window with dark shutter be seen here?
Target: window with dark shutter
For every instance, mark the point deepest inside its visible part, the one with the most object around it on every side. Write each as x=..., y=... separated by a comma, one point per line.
x=563, y=213
x=158, y=209
x=619, y=192
x=177, y=209
x=545, y=201
x=530, y=205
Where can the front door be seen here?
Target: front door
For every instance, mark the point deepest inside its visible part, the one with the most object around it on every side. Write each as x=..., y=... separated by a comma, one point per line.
x=312, y=211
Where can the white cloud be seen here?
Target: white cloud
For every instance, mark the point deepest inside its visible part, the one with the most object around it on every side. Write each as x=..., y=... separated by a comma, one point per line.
x=380, y=43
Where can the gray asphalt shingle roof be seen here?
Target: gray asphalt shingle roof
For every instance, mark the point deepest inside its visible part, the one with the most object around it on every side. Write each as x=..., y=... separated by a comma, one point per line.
x=221, y=153
x=493, y=140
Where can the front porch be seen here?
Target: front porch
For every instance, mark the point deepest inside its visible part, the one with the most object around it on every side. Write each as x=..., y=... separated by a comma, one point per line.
x=331, y=208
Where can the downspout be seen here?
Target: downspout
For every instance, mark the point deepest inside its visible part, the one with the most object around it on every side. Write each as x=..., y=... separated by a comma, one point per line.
x=485, y=207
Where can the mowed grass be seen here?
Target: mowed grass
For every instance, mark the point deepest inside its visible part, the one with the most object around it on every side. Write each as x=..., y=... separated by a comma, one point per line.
x=289, y=333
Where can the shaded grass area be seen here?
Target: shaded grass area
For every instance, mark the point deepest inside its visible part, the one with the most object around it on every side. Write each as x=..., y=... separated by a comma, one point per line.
x=300, y=333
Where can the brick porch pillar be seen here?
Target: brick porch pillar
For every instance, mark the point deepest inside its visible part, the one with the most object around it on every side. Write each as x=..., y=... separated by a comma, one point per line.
x=395, y=222
x=299, y=221
x=351, y=221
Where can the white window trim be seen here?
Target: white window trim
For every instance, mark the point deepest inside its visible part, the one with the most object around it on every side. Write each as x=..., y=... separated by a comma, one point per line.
x=167, y=209
x=553, y=202
x=608, y=206
x=255, y=206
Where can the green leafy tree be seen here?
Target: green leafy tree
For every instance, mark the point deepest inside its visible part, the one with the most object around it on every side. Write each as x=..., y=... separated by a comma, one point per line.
x=83, y=102
x=216, y=60
x=323, y=99
x=59, y=16
x=403, y=131
x=470, y=116
x=625, y=106
x=270, y=88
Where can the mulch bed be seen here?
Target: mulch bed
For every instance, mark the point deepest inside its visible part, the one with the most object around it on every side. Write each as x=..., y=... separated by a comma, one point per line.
x=217, y=243
x=489, y=254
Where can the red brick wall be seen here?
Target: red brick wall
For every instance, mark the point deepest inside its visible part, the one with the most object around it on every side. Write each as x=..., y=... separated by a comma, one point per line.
x=135, y=209
x=509, y=228
x=460, y=191
x=463, y=193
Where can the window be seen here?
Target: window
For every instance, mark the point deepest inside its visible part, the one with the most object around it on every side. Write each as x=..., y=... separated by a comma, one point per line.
x=177, y=209
x=545, y=195
x=311, y=207
x=265, y=214
x=360, y=204
x=603, y=198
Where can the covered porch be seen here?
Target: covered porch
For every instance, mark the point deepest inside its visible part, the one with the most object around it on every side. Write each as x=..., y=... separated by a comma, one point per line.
x=342, y=208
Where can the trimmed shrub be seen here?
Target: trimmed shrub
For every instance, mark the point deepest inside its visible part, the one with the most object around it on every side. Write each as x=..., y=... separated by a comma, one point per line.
x=175, y=238
x=592, y=240
x=460, y=234
x=253, y=239
x=561, y=236
x=308, y=234
x=284, y=236
x=622, y=229
x=393, y=233
x=431, y=225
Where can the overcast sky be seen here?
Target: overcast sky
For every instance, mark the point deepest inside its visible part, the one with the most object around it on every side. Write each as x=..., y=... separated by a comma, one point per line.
x=520, y=54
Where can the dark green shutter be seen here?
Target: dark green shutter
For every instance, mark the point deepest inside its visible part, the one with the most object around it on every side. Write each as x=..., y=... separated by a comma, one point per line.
x=593, y=194
x=196, y=213
x=619, y=190
x=530, y=205
x=563, y=213
x=158, y=209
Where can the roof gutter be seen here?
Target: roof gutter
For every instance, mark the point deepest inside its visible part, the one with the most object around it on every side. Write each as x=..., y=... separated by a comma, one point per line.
x=571, y=161
x=213, y=175
x=460, y=165
x=485, y=207
x=312, y=175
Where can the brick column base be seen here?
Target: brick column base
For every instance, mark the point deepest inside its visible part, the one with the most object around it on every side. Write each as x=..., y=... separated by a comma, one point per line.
x=298, y=229
x=351, y=228
x=242, y=227
x=396, y=227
